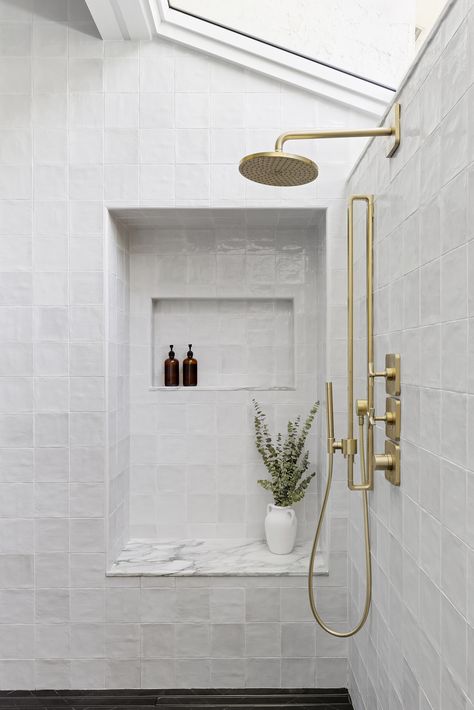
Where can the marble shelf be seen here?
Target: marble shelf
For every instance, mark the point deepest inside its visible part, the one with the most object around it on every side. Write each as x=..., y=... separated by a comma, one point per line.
x=216, y=558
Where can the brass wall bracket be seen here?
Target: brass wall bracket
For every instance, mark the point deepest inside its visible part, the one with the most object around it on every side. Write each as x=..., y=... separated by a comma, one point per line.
x=389, y=462
x=394, y=140
x=349, y=447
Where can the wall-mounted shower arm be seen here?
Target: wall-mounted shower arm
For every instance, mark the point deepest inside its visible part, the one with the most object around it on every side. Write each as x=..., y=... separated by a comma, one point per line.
x=360, y=133
x=392, y=130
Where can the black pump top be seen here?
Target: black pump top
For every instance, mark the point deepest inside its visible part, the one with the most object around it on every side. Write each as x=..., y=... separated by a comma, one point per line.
x=171, y=353
x=190, y=352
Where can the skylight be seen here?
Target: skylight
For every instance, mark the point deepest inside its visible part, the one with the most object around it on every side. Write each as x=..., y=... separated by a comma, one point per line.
x=354, y=53
x=375, y=45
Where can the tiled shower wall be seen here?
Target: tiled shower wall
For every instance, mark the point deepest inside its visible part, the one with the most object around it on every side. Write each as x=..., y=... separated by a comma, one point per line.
x=417, y=650
x=86, y=125
x=194, y=463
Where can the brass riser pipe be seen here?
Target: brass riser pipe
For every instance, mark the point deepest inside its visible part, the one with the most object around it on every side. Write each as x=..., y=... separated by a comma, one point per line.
x=367, y=472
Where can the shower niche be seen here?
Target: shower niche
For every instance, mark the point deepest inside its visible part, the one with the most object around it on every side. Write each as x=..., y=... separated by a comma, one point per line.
x=240, y=343
x=247, y=288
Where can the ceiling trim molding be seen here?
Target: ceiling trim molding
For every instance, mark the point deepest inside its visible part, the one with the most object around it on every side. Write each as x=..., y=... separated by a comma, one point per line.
x=142, y=19
x=105, y=17
x=136, y=18
x=123, y=19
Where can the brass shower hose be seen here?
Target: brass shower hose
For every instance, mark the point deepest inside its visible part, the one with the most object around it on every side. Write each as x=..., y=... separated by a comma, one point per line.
x=368, y=564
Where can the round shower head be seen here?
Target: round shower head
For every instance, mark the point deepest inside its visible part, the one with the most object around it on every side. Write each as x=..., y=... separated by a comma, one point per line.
x=278, y=168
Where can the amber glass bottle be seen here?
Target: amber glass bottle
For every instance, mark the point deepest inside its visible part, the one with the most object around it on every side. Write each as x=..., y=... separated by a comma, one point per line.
x=171, y=370
x=190, y=369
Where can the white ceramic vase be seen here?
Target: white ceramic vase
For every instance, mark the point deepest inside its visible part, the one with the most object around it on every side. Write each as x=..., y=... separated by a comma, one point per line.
x=280, y=529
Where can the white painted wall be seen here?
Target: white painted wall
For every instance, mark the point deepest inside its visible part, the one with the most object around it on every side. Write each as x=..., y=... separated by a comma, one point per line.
x=417, y=650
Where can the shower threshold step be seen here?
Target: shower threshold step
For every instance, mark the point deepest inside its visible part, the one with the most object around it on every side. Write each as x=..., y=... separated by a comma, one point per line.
x=216, y=699
x=212, y=558
x=255, y=698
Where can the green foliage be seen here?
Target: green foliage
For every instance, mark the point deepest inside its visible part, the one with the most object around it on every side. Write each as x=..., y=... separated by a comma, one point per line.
x=285, y=459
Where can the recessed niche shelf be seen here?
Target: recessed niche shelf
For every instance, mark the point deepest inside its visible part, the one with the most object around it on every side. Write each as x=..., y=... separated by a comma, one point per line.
x=240, y=343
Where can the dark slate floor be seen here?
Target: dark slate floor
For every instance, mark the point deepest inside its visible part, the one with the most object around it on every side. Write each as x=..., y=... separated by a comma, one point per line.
x=306, y=699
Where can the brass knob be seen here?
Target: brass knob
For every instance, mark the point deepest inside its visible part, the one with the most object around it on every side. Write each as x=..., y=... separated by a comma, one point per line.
x=389, y=462
x=383, y=462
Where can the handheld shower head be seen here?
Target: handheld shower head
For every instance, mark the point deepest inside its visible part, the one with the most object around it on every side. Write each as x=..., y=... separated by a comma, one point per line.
x=278, y=168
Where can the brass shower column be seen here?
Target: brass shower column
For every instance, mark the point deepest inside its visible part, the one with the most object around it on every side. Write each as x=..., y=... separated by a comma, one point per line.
x=365, y=408
x=281, y=169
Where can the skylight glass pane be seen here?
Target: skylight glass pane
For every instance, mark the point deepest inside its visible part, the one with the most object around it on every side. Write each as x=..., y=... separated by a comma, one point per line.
x=373, y=39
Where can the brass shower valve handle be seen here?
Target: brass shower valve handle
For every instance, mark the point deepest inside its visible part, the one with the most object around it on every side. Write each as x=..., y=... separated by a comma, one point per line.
x=389, y=417
x=391, y=374
x=389, y=462
x=383, y=462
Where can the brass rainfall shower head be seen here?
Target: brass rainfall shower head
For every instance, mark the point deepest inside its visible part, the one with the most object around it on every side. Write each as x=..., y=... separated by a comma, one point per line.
x=282, y=169
x=278, y=168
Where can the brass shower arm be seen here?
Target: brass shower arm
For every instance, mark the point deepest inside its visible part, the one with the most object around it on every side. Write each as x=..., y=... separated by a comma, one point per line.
x=392, y=130
x=359, y=133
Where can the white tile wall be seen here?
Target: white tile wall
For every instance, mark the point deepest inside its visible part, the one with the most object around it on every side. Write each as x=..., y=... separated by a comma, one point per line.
x=417, y=650
x=114, y=124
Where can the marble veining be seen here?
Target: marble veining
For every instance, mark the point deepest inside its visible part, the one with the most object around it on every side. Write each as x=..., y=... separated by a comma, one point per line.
x=211, y=558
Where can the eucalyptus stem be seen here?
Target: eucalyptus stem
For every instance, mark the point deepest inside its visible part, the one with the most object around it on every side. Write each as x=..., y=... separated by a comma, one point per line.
x=285, y=458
